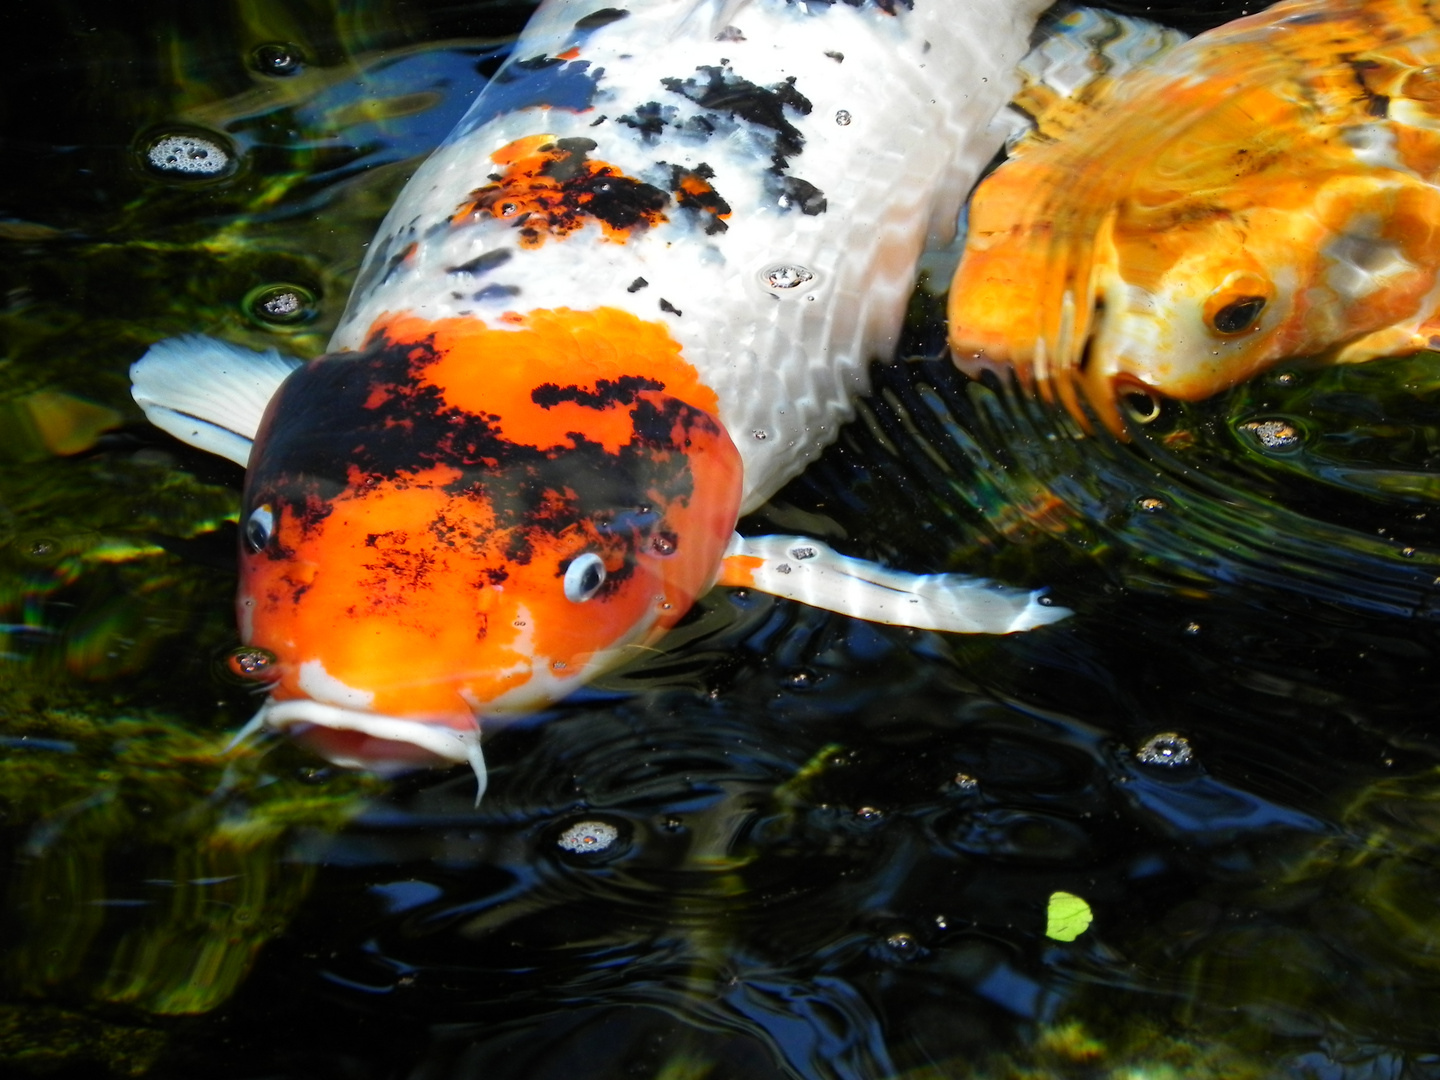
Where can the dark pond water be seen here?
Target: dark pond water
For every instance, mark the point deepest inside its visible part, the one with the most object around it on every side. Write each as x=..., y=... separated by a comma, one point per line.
x=829, y=847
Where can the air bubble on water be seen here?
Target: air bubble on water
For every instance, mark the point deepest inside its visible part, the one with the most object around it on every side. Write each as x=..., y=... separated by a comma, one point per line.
x=801, y=679
x=1151, y=503
x=1273, y=434
x=842, y=117
x=188, y=156
x=588, y=836
x=250, y=662
x=902, y=945
x=786, y=277
x=278, y=58
x=869, y=813
x=759, y=435
x=280, y=305
x=1192, y=628
x=1167, y=749
x=283, y=305
x=965, y=782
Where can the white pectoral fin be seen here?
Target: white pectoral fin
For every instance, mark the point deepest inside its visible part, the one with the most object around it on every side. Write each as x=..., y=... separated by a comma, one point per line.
x=809, y=571
x=208, y=393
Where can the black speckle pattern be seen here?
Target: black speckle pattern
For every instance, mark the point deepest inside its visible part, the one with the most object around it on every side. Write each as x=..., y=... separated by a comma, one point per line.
x=483, y=263
x=343, y=424
x=597, y=19
x=730, y=101
x=720, y=90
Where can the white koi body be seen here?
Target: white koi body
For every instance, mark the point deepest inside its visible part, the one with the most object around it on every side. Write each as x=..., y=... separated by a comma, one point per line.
x=839, y=137
x=632, y=294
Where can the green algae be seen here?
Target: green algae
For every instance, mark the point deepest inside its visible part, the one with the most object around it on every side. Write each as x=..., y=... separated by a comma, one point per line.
x=40, y=1039
x=149, y=866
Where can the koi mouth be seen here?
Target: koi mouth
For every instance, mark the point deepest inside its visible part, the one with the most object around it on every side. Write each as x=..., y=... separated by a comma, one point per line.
x=371, y=734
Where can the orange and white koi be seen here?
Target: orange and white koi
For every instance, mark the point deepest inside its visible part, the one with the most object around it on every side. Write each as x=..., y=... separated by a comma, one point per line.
x=633, y=293
x=1265, y=191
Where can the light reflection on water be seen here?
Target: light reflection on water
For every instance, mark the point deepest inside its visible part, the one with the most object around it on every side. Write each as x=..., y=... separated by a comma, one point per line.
x=833, y=843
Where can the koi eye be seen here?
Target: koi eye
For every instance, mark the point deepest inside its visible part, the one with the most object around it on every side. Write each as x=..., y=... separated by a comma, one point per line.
x=1238, y=315
x=584, y=577
x=259, y=528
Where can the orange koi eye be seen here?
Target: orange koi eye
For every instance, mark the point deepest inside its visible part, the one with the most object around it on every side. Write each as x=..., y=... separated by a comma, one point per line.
x=1236, y=305
x=259, y=528
x=1238, y=315
x=583, y=577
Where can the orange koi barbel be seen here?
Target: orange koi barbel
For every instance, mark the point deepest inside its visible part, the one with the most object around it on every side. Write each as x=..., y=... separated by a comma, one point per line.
x=632, y=295
x=1265, y=191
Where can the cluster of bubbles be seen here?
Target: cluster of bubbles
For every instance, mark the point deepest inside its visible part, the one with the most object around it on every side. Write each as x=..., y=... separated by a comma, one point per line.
x=189, y=156
x=588, y=837
x=1273, y=434
x=1166, y=749
x=280, y=305
x=787, y=277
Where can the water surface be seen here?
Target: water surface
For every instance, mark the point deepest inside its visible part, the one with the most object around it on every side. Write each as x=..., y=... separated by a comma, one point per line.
x=792, y=845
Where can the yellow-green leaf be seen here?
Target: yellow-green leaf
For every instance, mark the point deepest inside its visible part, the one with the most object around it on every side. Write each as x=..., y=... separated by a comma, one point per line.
x=1067, y=917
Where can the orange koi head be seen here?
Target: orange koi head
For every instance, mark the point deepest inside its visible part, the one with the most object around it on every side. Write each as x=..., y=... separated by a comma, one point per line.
x=1263, y=193
x=463, y=521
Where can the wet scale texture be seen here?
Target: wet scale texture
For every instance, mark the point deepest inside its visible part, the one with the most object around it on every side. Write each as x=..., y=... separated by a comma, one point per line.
x=698, y=153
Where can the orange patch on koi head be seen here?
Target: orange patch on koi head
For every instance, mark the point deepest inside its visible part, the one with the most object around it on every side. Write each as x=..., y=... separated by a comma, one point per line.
x=462, y=520
x=551, y=187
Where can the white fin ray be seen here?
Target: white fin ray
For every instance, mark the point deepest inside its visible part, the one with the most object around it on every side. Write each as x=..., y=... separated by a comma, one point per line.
x=806, y=570
x=208, y=393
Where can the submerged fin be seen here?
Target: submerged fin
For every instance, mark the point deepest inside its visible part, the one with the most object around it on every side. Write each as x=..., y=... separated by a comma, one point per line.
x=208, y=393
x=806, y=570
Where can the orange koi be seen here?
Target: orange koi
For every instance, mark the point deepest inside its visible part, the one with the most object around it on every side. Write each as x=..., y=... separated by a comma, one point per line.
x=1265, y=191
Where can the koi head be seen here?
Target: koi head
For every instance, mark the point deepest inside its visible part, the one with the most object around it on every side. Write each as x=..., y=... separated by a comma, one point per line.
x=1242, y=204
x=462, y=521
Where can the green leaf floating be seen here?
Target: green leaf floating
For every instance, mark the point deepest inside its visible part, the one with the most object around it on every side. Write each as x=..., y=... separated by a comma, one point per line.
x=1067, y=917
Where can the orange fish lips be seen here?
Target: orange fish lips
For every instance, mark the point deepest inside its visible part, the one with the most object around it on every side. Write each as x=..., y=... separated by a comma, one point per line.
x=461, y=521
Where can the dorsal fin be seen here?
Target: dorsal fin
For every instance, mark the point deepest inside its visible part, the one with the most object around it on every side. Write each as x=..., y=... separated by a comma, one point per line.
x=208, y=393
